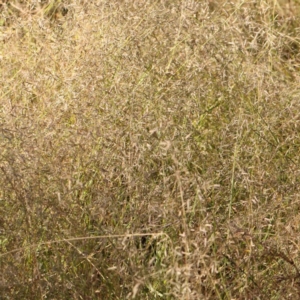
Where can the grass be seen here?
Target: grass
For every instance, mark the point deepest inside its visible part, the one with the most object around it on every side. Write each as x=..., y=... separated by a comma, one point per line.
x=149, y=150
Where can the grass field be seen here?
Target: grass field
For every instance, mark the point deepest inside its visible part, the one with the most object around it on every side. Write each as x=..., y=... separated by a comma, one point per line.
x=149, y=149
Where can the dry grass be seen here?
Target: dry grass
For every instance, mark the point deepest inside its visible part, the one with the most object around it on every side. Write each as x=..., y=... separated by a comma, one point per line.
x=149, y=149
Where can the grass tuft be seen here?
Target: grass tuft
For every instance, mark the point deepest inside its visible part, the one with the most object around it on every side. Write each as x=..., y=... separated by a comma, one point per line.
x=149, y=149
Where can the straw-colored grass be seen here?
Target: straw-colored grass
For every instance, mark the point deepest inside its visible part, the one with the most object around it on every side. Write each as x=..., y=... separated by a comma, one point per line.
x=149, y=149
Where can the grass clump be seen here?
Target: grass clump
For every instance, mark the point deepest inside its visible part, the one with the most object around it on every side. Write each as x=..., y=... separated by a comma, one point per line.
x=149, y=150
